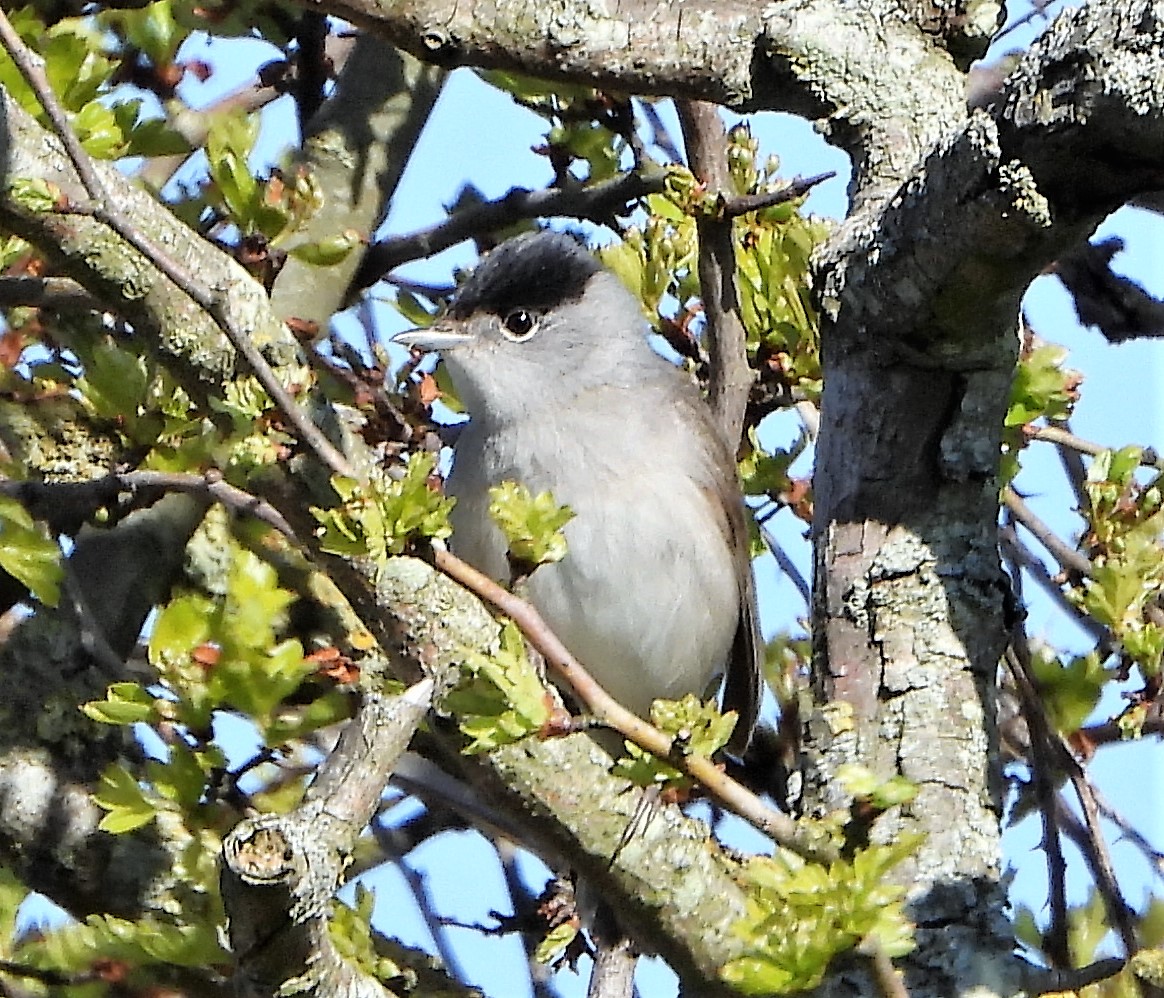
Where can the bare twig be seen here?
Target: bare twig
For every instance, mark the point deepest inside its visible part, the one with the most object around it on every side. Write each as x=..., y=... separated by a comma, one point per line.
x=1154, y=856
x=92, y=495
x=597, y=202
x=1062, y=552
x=1118, y=910
x=608, y=711
x=1024, y=557
x=436, y=925
x=1042, y=767
x=797, y=188
x=1149, y=457
x=1120, y=913
x=889, y=982
x=103, y=209
x=1040, y=980
x=1073, y=467
x=1038, y=9
x=786, y=564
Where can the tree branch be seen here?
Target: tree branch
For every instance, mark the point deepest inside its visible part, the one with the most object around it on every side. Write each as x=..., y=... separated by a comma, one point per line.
x=731, y=377
x=280, y=872
x=103, y=209
x=597, y=202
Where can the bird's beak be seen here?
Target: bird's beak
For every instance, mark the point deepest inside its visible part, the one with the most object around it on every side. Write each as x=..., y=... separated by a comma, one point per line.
x=439, y=336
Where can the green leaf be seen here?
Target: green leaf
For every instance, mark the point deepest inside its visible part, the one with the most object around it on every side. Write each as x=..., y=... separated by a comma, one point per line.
x=153, y=137
x=100, y=131
x=124, y=703
x=116, y=385
x=27, y=554
x=1069, y=692
x=833, y=908
x=329, y=251
x=387, y=519
x=863, y=784
x=255, y=605
x=127, y=804
x=643, y=769
x=153, y=29
x=181, y=626
x=350, y=931
x=697, y=728
x=555, y=944
x=410, y=306
x=1042, y=387
x=502, y=698
x=183, y=777
x=34, y=194
x=532, y=524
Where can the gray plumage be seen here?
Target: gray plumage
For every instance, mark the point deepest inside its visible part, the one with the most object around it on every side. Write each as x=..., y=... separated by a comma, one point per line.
x=548, y=352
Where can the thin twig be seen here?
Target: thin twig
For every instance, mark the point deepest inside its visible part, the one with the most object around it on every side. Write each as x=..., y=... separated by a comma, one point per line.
x=786, y=564
x=1118, y=910
x=596, y=202
x=1056, y=947
x=797, y=188
x=1023, y=557
x=103, y=210
x=1073, y=467
x=437, y=927
x=890, y=982
x=1038, y=9
x=1041, y=980
x=100, y=491
x=1149, y=457
x=1154, y=856
x=1062, y=552
x=1120, y=913
x=609, y=712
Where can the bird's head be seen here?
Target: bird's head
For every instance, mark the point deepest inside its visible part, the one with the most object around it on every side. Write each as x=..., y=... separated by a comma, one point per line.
x=538, y=313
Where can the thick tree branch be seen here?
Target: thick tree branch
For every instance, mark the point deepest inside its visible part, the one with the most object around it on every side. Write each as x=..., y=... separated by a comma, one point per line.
x=356, y=149
x=281, y=872
x=50, y=755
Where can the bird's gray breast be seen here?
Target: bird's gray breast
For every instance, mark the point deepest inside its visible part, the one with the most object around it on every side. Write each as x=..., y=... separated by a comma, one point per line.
x=647, y=597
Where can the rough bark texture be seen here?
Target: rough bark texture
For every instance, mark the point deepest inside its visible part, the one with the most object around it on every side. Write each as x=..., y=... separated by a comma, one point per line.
x=356, y=148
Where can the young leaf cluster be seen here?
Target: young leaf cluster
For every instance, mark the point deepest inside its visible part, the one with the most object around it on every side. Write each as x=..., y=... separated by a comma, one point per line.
x=1126, y=584
x=82, y=63
x=385, y=518
x=800, y=915
x=532, y=524
x=696, y=728
x=502, y=698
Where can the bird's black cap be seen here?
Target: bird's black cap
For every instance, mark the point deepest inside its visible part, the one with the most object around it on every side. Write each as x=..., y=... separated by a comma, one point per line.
x=535, y=271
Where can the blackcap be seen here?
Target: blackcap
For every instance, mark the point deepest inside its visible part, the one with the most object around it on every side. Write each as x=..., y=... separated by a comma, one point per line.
x=548, y=352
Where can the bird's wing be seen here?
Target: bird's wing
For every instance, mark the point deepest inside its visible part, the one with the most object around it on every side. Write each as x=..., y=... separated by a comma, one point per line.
x=743, y=684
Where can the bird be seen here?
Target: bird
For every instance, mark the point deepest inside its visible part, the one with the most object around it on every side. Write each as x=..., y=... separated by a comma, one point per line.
x=548, y=352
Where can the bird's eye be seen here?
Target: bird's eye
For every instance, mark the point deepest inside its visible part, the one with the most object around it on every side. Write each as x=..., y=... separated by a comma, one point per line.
x=519, y=325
